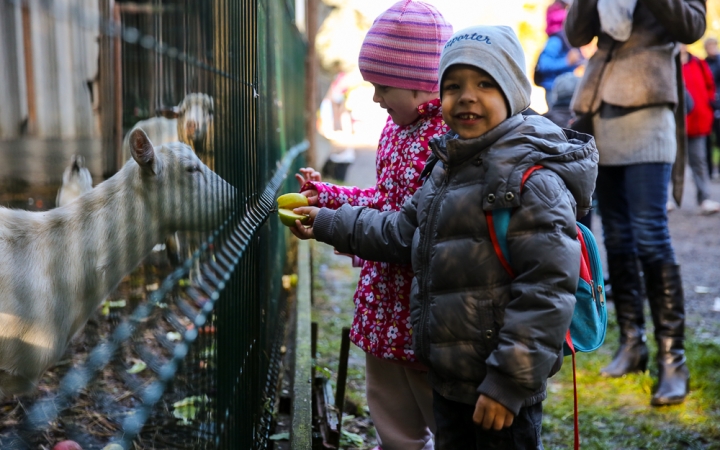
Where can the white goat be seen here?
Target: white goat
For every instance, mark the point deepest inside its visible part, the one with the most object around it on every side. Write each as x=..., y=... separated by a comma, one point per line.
x=76, y=181
x=57, y=266
x=191, y=123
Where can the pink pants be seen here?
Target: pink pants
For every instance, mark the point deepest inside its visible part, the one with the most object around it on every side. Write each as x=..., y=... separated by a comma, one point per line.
x=400, y=400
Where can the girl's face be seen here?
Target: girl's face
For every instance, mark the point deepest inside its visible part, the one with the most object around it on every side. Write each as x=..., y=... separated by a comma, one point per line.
x=401, y=104
x=472, y=103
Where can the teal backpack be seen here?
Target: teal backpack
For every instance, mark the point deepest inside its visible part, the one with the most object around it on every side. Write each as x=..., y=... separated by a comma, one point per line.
x=589, y=320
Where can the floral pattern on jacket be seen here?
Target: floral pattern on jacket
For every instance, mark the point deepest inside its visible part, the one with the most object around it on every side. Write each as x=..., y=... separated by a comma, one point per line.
x=381, y=325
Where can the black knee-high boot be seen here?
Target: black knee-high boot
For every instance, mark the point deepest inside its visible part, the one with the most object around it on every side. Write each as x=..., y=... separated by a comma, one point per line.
x=632, y=356
x=667, y=303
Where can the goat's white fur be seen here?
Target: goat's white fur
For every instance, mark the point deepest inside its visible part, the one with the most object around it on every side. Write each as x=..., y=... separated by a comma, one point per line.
x=58, y=265
x=76, y=181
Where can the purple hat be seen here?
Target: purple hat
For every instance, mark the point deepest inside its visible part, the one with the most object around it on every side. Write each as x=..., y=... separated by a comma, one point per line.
x=555, y=17
x=402, y=48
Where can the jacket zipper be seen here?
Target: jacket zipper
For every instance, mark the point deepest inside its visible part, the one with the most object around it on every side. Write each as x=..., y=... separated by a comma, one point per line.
x=426, y=260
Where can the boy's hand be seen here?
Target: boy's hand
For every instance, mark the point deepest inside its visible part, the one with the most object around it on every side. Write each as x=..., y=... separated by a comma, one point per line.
x=301, y=231
x=491, y=414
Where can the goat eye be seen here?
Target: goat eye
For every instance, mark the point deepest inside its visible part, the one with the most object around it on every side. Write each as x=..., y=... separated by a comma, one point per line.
x=193, y=168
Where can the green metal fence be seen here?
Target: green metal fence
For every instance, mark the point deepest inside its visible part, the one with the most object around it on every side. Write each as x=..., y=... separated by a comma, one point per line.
x=190, y=357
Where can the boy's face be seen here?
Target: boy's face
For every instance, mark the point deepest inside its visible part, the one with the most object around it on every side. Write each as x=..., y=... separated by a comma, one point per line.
x=472, y=102
x=401, y=104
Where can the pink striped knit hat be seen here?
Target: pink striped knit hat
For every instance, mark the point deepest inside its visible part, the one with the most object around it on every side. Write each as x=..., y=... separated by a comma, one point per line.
x=402, y=48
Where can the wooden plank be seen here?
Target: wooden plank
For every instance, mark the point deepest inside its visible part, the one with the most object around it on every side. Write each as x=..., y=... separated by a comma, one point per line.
x=342, y=374
x=301, y=433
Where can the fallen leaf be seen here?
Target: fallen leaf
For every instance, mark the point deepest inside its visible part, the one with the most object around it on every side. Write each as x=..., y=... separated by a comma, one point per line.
x=138, y=367
x=280, y=437
x=173, y=336
x=187, y=408
x=351, y=438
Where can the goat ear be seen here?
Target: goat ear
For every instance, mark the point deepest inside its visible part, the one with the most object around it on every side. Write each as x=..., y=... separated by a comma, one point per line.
x=142, y=149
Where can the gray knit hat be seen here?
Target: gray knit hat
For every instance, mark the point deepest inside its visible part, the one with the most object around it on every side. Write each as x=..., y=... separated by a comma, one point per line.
x=497, y=51
x=563, y=88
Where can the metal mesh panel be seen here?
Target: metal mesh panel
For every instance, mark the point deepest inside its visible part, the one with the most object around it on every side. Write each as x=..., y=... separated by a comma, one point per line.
x=184, y=352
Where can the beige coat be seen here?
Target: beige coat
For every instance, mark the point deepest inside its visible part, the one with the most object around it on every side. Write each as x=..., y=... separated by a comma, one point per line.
x=642, y=71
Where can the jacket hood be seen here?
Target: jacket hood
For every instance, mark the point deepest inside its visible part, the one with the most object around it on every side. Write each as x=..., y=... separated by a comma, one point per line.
x=518, y=143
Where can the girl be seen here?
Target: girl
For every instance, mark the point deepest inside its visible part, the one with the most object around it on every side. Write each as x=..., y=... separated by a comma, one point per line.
x=399, y=56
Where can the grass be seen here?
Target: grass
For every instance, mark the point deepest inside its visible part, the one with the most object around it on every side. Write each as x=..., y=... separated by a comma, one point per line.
x=614, y=413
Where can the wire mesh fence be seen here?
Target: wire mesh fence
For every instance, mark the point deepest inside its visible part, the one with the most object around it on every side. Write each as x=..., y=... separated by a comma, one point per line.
x=170, y=257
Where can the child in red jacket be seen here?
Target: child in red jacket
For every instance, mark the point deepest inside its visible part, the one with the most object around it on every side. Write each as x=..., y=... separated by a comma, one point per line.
x=701, y=86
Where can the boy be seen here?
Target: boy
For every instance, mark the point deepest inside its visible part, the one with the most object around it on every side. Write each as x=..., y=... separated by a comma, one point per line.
x=490, y=341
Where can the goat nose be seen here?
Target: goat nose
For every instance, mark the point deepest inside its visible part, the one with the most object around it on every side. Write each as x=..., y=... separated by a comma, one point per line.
x=190, y=127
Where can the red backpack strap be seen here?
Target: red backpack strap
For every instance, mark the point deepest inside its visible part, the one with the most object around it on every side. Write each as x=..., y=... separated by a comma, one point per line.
x=527, y=174
x=496, y=244
x=576, y=419
x=504, y=218
x=584, y=258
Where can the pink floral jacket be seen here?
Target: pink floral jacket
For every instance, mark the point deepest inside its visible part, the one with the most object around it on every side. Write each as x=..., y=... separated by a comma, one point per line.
x=381, y=325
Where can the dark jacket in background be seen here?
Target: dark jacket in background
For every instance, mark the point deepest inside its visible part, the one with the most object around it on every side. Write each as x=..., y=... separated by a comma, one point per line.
x=713, y=63
x=478, y=330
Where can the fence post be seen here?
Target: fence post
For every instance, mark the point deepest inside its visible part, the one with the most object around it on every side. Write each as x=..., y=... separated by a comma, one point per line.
x=311, y=81
x=301, y=433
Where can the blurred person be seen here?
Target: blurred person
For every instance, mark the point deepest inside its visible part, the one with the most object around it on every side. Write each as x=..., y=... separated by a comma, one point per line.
x=561, y=94
x=399, y=56
x=561, y=115
x=713, y=61
x=631, y=90
x=490, y=339
x=558, y=56
x=337, y=94
x=701, y=87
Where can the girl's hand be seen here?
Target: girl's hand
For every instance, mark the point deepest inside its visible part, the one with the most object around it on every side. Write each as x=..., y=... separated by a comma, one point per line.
x=309, y=174
x=343, y=254
x=301, y=231
x=312, y=196
x=491, y=414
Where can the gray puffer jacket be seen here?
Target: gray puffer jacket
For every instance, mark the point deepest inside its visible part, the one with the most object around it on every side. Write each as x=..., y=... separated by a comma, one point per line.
x=478, y=330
